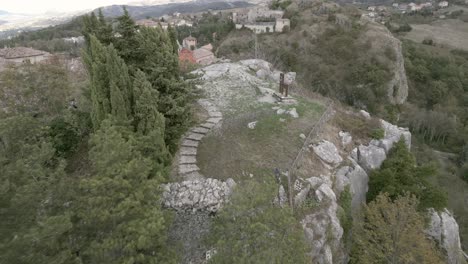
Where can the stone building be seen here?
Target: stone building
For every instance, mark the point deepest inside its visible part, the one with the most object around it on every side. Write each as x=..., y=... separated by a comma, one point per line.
x=22, y=54
x=189, y=43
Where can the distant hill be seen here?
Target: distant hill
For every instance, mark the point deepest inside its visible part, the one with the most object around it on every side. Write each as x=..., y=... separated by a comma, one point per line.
x=139, y=12
x=2, y=12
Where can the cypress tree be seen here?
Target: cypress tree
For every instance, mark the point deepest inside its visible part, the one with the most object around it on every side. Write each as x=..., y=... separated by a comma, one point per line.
x=149, y=123
x=95, y=60
x=173, y=37
x=120, y=84
x=161, y=67
x=126, y=42
x=104, y=30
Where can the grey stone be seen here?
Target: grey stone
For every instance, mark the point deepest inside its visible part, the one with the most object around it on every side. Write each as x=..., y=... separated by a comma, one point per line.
x=370, y=157
x=301, y=196
x=327, y=152
x=365, y=114
x=190, y=143
x=394, y=133
x=280, y=111
x=188, y=159
x=187, y=168
x=346, y=138
x=200, y=130
x=215, y=114
x=443, y=228
x=293, y=113
x=208, y=125
x=214, y=120
x=195, y=136
x=188, y=151
x=252, y=125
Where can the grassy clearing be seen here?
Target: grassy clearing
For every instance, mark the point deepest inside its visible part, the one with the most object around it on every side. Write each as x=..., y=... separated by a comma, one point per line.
x=235, y=151
x=450, y=32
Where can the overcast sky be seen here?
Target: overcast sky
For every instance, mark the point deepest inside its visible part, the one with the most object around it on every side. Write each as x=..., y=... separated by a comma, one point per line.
x=41, y=6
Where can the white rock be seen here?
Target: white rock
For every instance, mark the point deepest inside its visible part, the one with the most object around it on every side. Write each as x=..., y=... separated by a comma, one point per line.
x=444, y=229
x=327, y=152
x=293, y=113
x=301, y=196
x=302, y=136
x=325, y=192
x=280, y=111
x=394, y=133
x=346, y=138
x=370, y=157
x=252, y=125
x=282, y=119
x=365, y=114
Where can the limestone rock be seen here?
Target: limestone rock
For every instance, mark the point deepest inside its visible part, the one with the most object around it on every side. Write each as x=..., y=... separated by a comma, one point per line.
x=301, y=196
x=443, y=228
x=328, y=152
x=365, y=114
x=293, y=113
x=346, y=138
x=370, y=157
x=393, y=134
x=252, y=125
x=200, y=194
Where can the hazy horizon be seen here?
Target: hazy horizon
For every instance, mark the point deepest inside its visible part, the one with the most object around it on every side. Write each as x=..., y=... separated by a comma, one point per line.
x=39, y=7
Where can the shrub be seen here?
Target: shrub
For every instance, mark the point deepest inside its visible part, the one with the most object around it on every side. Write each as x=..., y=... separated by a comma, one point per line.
x=377, y=133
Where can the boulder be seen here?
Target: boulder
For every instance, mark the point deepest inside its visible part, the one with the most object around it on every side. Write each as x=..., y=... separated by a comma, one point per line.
x=370, y=157
x=327, y=152
x=252, y=125
x=365, y=114
x=443, y=228
x=393, y=134
x=293, y=113
x=300, y=198
x=346, y=138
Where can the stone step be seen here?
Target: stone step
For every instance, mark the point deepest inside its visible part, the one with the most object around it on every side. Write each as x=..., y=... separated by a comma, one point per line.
x=184, y=159
x=205, y=103
x=208, y=125
x=215, y=114
x=190, y=143
x=195, y=136
x=187, y=168
x=211, y=109
x=214, y=120
x=194, y=175
x=187, y=151
x=200, y=130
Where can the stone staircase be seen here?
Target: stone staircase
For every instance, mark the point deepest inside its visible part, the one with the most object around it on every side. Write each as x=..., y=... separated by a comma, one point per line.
x=188, y=168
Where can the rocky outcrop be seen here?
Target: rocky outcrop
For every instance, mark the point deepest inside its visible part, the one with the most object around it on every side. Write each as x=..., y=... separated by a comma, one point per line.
x=443, y=228
x=357, y=179
x=388, y=48
x=322, y=228
x=327, y=152
x=372, y=156
x=203, y=194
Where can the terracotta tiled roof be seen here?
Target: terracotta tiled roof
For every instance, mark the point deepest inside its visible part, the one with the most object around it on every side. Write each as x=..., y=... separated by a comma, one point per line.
x=201, y=53
x=20, y=52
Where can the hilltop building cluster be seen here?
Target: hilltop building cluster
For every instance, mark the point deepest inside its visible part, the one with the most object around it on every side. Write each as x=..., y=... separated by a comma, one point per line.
x=380, y=13
x=189, y=54
x=261, y=19
x=174, y=20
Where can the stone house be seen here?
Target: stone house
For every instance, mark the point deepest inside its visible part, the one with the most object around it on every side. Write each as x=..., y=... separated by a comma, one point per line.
x=189, y=43
x=281, y=23
x=147, y=23
x=22, y=54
